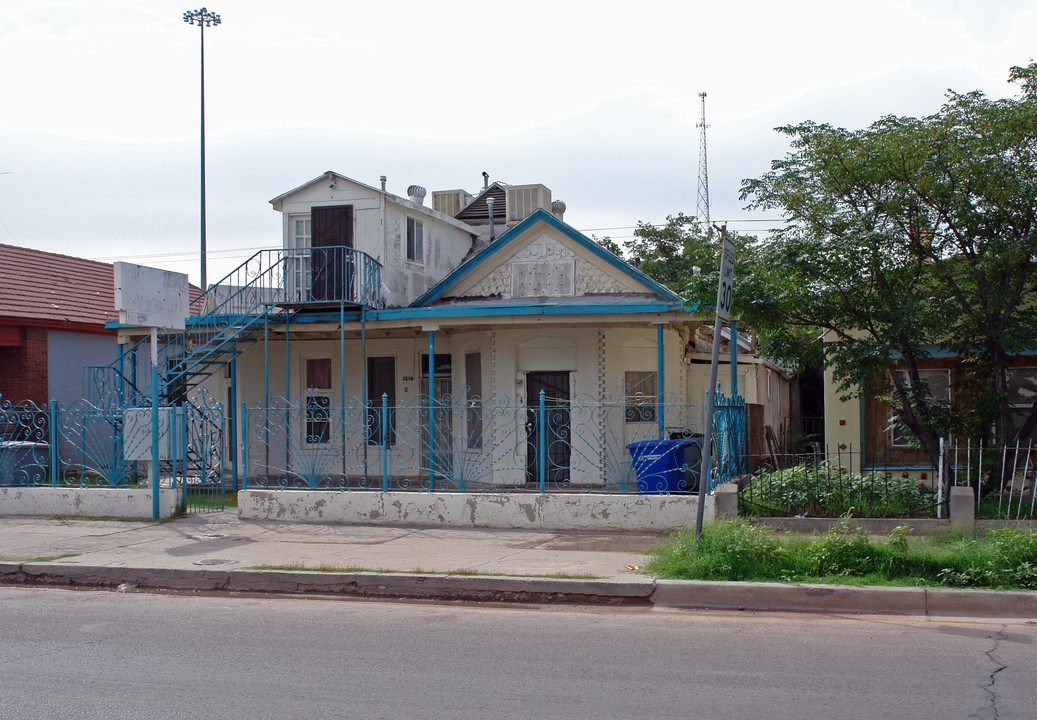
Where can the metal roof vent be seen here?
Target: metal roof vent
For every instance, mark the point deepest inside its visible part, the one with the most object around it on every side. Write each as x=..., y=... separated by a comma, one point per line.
x=416, y=193
x=558, y=209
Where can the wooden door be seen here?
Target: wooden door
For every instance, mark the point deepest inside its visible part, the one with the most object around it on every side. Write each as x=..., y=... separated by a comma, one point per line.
x=331, y=267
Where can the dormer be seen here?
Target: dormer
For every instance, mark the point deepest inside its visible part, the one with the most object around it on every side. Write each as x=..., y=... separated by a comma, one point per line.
x=416, y=245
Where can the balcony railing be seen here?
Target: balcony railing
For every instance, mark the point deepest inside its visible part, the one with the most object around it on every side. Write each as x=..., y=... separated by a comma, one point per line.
x=293, y=277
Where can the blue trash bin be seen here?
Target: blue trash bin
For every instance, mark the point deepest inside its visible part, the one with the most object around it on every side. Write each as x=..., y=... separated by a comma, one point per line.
x=659, y=465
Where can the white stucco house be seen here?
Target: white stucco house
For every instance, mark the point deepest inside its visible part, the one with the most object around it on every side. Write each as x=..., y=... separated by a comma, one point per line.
x=543, y=354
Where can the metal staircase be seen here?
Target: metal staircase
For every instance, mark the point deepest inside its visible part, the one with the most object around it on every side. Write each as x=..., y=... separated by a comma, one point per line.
x=226, y=318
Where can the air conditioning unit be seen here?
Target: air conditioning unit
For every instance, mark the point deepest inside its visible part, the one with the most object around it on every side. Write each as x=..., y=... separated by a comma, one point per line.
x=523, y=200
x=450, y=202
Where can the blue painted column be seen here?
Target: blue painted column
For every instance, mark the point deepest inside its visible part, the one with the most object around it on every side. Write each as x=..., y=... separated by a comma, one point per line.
x=154, y=442
x=385, y=442
x=542, y=444
x=288, y=395
x=660, y=411
x=233, y=440
x=368, y=404
x=342, y=387
x=431, y=410
x=55, y=437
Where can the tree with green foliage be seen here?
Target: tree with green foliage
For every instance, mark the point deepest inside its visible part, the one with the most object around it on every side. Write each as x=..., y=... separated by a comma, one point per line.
x=907, y=238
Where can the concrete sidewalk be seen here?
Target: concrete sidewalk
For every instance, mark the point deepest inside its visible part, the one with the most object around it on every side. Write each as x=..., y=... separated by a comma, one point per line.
x=219, y=552
x=222, y=539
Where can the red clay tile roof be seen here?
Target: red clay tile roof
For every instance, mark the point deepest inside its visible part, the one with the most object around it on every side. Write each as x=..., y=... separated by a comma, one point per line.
x=46, y=289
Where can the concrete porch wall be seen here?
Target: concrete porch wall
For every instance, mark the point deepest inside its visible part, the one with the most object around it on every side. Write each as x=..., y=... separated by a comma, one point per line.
x=486, y=510
x=87, y=502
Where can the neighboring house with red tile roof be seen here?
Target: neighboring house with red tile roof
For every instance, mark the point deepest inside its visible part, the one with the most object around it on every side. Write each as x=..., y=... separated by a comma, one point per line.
x=53, y=310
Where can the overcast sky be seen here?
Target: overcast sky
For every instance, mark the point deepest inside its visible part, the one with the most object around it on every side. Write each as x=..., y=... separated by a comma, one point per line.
x=597, y=100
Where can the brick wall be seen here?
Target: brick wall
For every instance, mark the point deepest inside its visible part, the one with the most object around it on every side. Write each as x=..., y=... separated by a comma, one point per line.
x=23, y=370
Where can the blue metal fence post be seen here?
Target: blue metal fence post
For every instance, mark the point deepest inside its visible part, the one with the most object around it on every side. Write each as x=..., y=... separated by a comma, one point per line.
x=385, y=442
x=154, y=442
x=431, y=408
x=54, y=439
x=232, y=441
x=178, y=431
x=542, y=444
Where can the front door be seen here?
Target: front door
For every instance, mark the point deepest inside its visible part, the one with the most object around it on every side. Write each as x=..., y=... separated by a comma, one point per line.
x=557, y=432
x=331, y=268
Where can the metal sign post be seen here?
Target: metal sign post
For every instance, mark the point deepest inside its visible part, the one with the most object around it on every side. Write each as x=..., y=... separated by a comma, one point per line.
x=724, y=299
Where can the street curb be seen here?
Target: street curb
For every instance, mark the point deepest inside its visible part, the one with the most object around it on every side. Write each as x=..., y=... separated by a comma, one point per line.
x=789, y=597
x=681, y=594
x=408, y=586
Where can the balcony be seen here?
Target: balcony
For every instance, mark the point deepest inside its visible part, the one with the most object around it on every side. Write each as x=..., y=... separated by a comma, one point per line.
x=296, y=278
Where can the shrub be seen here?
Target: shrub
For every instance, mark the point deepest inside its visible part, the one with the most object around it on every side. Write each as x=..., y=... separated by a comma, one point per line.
x=826, y=489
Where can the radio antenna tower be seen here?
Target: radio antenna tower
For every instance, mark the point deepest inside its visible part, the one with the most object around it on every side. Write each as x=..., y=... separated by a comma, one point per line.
x=703, y=200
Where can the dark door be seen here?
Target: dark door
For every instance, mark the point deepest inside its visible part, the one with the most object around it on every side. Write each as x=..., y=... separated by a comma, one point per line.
x=331, y=268
x=381, y=380
x=557, y=431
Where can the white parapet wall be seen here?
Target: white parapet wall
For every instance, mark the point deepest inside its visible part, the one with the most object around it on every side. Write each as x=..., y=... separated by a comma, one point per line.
x=87, y=502
x=479, y=510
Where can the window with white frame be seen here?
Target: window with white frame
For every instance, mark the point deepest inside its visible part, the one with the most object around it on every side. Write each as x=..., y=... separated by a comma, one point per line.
x=938, y=384
x=642, y=391
x=415, y=240
x=300, y=262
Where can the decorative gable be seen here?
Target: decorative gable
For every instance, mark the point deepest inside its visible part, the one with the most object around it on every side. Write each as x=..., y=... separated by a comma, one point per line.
x=543, y=258
x=546, y=267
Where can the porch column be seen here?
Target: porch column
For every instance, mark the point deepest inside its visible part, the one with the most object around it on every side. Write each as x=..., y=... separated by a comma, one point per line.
x=233, y=415
x=660, y=411
x=431, y=409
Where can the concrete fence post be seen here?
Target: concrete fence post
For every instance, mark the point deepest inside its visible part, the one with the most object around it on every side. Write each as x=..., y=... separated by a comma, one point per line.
x=963, y=508
x=725, y=499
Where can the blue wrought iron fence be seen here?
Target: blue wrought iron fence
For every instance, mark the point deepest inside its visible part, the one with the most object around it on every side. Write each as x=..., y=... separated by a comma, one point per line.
x=86, y=445
x=464, y=442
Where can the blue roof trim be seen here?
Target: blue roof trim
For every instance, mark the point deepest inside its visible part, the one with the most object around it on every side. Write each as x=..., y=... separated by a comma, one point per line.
x=541, y=215
x=525, y=310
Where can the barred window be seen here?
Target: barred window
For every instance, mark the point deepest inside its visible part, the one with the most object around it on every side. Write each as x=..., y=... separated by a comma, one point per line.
x=642, y=395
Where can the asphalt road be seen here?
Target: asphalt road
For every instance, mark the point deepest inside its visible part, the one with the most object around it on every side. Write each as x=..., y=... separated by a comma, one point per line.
x=95, y=654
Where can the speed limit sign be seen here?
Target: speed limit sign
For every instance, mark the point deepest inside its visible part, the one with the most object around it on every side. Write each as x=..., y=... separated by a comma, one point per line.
x=725, y=293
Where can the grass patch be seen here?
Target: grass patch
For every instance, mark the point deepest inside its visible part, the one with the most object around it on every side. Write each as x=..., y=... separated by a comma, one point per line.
x=42, y=558
x=737, y=550
x=416, y=571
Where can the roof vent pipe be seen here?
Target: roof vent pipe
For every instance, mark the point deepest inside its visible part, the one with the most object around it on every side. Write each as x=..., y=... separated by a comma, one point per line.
x=489, y=207
x=416, y=193
x=383, y=179
x=485, y=180
x=558, y=209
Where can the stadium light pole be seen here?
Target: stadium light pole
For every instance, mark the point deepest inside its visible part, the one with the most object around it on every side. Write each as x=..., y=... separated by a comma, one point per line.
x=203, y=18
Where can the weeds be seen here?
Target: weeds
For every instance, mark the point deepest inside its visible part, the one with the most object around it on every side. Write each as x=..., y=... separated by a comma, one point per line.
x=738, y=550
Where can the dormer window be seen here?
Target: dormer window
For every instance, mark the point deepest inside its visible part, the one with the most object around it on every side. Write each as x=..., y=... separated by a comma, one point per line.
x=415, y=241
